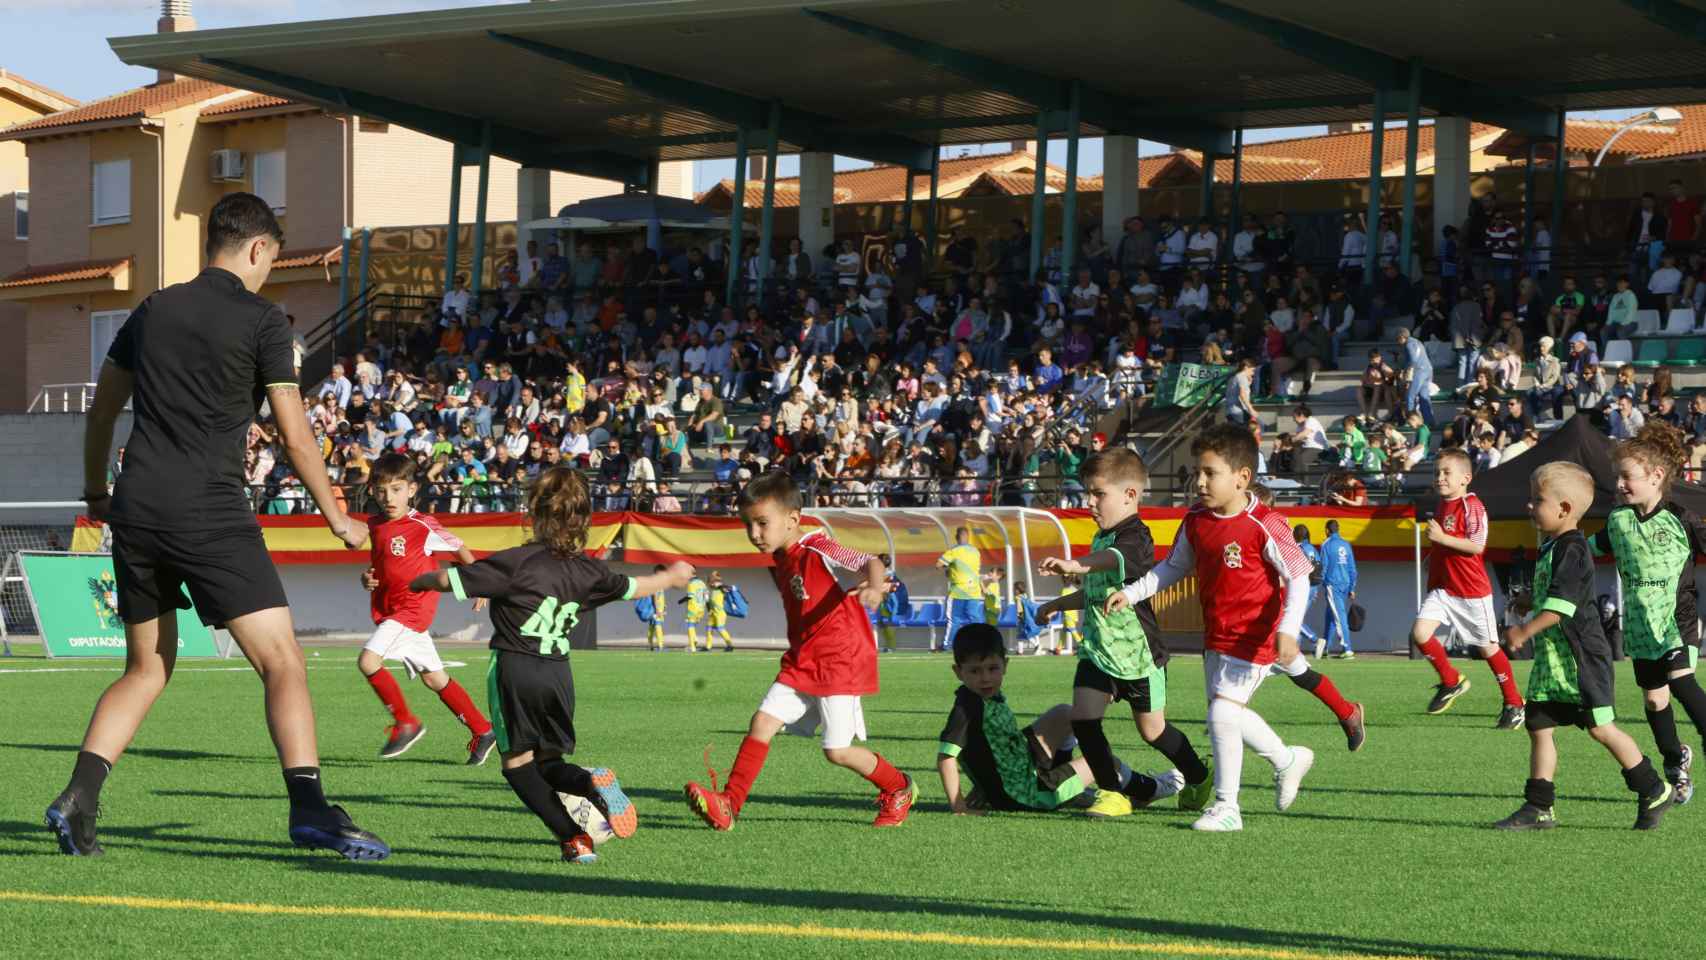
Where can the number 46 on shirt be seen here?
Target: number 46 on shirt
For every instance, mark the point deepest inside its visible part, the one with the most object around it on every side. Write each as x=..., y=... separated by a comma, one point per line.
x=551, y=624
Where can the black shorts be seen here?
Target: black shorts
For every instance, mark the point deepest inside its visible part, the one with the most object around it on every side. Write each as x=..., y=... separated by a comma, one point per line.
x=228, y=573
x=1135, y=692
x=1050, y=774
x=1655, y=674
x=532, y=702
x=1544, y=714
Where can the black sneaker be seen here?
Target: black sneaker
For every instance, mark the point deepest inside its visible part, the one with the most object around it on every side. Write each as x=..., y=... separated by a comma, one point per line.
x=1355, y=730
x=1511, y=718
x=332, y=829
x=74, y=825
x=1652, y=809
x=1528, y=817
x=481, y=747
x=1678, y=777
x=1445, y=695
x=401, y=736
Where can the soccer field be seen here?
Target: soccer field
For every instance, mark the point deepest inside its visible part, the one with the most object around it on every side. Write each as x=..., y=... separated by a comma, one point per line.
x=1387, y=852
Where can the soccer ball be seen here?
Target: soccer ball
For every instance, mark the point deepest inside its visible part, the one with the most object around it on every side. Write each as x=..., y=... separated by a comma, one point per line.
x=587, y=817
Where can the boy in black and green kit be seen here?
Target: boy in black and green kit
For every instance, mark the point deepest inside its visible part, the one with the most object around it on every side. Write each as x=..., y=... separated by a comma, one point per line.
x=1121, y=656
x=1008, y=768
x=1572, y=680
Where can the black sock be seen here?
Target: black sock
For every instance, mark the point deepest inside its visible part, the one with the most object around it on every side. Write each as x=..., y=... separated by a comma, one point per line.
x=1094, y=745
x=1663, y=724
x=1142, y=787
x=1686, y=689
x=303, y=785
x=1060, y=759
x=88, y=775
x=1176, y=747
x=566, y=777
x=1307, y=680
x=1540, y=793
x=1642, y=779
x=541, y=799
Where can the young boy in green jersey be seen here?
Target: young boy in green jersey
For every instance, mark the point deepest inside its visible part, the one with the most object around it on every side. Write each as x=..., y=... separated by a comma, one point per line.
x=1121, y=656
x=1572, y=679
x=1654, y=541
x=987, y=762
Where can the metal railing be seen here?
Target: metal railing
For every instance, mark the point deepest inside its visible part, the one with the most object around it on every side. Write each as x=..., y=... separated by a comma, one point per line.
x=63, y=398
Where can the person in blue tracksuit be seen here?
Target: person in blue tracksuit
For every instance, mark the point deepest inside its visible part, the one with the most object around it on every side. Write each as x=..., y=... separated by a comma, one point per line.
x=1300, y=533
x=1339, y=575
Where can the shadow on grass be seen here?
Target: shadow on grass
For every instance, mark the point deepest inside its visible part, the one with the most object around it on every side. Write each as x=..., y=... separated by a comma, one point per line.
x=169, y=753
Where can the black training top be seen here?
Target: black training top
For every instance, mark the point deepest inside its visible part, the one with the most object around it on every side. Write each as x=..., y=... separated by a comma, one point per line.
x=202, y=354
x=537, y=596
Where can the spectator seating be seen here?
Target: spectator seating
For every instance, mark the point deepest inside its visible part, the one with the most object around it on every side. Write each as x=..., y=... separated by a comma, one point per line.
x=1617, y=353
x=1689, y=353
x=1009, y=619
x=1680, y=323
x=1647, y=323
x=1651, y=353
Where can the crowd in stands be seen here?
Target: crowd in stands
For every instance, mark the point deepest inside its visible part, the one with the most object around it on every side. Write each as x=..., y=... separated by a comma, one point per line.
x=883, y=380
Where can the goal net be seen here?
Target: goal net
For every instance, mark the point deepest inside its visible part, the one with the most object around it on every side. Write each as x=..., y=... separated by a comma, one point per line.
x=49, y=527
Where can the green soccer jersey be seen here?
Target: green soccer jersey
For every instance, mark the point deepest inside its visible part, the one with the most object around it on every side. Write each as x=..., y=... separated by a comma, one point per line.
x=1655, y=556
x=1126, y=645
x=995, y=755
x=1563, y=584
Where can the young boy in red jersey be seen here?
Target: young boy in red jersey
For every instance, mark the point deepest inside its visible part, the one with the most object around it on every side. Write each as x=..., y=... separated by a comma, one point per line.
x=405, y=545
x=830, y=664
x=1253, y=583
x=1459, y=592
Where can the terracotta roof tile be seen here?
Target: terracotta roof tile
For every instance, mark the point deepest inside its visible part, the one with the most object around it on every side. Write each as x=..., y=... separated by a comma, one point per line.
x=308, y=257
x=1689, y=139
x=142, y=102
x=887, y=183
x=254, y=101
x=63, y=272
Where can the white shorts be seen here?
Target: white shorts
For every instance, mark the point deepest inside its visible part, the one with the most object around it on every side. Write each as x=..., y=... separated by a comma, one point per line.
x=1231, y=678
x=393, y=641
x=842, y=717
x=1470, y=618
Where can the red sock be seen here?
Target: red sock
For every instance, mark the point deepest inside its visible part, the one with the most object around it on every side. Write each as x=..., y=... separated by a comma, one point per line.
x=885, y=777
x=748, y=762
x=459, y=703
x=1501, y=665
x=1435, y=652
x=1329, y=695
x=392, y=696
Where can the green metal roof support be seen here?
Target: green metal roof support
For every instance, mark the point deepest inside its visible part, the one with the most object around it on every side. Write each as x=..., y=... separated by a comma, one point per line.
x=480, y=196
x=930, y=211
x=1560, y=188
x=1236, y=220
x=737, y=223
x=453, y=223
x=1205, y=195
x=767, y=216
x=1069, y=216
x=1038, y=210
x=1528, y=202
x=906, y=205
x=1376, y=161
x=1412, y=137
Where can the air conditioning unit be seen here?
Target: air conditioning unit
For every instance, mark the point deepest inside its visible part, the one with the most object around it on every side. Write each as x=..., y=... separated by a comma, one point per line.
x=227, y=165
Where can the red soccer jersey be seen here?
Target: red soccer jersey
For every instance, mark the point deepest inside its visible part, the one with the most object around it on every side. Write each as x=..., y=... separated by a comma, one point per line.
x=403, y=549
x=1457, y=573
x=831, y=648
x=1242, y=564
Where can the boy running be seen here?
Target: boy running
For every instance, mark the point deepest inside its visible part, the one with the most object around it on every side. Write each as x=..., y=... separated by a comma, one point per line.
x=1253, y=584
x=1122, y=656
x=830, y=664
x=1459, y=592
x=1571, y=683
x=1654, y=542
x=404, y=545
x=1008, y=768
x=538, y=591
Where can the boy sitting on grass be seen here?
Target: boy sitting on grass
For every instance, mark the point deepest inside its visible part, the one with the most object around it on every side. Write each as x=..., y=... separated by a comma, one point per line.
x=986, y=760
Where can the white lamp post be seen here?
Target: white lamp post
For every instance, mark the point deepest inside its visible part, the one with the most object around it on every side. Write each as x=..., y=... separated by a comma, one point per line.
x=1655, y=115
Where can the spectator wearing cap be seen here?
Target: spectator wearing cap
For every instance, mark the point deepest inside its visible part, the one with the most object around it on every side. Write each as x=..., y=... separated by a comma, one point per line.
x=1548, y=390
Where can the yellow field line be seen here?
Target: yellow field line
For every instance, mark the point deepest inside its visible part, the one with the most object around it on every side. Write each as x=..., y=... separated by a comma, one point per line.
x=806, y=930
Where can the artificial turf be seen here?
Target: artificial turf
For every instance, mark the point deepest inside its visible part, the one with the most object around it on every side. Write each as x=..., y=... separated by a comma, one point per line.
x=1387, y=852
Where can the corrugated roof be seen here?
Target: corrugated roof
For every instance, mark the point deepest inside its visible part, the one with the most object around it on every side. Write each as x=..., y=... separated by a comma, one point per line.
x=63, y=272
x=142, y=102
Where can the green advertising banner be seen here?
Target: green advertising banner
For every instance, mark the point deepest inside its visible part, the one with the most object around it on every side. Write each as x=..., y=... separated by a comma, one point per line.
x=75, y=599
x=1188, y=384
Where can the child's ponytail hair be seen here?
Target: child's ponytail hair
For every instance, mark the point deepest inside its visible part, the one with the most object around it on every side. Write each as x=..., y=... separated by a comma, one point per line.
x=561, y=509
x=1657, y=446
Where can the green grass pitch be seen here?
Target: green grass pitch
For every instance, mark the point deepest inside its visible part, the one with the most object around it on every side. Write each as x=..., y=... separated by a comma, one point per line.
x=1387, y=852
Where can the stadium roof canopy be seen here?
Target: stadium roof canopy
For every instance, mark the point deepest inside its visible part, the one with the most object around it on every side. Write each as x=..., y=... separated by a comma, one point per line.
x=605, y=87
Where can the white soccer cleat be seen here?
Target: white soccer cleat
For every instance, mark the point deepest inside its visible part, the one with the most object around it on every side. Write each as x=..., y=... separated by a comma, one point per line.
x=1167, y=784
x=1320, y=647
x=1287, y=781
x=1221, y=817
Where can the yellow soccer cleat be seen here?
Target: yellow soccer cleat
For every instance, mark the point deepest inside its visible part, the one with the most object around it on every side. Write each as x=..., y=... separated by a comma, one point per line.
x=1109, y=803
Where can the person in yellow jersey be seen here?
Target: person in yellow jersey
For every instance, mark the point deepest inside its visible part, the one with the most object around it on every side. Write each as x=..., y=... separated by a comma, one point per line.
x=992, y=597
x=574, y=389
x=1069, y=622
x=698, y=602
x=961, y=562
x=717, y=614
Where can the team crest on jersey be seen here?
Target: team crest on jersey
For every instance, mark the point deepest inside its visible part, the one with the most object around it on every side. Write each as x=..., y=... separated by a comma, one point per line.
x=1450, y=524
x=1233, y=556
x=399, y=546
x=798, y=585
x=1661, y=537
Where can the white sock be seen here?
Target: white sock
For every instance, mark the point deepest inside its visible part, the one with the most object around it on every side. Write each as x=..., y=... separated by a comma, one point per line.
x=1263, y=741
x=1225, y=734
x=1296, y=668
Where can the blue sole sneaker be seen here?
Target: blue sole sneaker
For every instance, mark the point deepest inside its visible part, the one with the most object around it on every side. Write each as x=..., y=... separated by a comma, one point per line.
x=333, y=830
x=618, y=809
x=73, y=827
